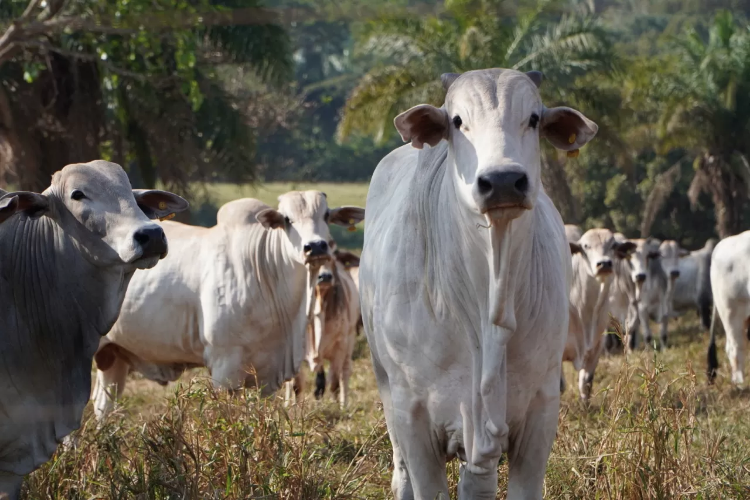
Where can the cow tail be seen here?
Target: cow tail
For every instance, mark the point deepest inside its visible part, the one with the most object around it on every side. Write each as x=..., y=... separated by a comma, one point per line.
x=712, y=363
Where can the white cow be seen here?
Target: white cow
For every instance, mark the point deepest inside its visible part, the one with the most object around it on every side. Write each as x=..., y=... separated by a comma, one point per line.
x=233, y=297
x=624, y=302
x=464, y=282
x=729, y=275
x=692, y=289
x=593, y=258
x=652, y=285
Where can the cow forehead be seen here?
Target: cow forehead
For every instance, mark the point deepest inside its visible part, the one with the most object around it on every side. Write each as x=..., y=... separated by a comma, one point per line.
x=491, y=90
x=597, y=237
x=96, y=176
x=307, y=204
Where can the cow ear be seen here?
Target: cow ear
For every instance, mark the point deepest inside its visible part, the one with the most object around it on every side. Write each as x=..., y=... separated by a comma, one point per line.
x=624, y=249
x=449, y=78
x=347, y=259
x=346, y=215
x=270, y=218
x=575, y=248
x=536, y=77
x=423, y=124
x=566, y=128
x=31, y=204
x=159, y=204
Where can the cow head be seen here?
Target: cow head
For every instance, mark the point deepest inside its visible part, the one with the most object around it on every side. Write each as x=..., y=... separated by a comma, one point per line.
x=305, y=217
x=644, y=254
x=599, y=248
x=492, y=120
x=108, y=220
x=670, y=254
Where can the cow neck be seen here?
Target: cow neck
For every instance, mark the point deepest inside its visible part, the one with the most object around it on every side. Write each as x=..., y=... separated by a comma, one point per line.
x=61, y=306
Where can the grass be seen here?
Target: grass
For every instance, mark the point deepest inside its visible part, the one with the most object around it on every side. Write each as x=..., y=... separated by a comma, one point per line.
x=654, y=429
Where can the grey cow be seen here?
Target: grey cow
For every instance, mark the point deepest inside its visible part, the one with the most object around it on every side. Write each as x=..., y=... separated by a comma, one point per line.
x=66, y=257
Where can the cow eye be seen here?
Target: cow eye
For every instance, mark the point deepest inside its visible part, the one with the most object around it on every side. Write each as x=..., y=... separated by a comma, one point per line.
x=77, y=195
x=533, y=120
x=457, y=121
x=287, y=221
x=326, y=216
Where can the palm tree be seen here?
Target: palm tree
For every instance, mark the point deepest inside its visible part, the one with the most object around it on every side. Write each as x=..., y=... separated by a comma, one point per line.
x=706, y=102
x=414, y=53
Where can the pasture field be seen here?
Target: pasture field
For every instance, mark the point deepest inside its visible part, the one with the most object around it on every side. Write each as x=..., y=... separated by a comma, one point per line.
x=654, y=429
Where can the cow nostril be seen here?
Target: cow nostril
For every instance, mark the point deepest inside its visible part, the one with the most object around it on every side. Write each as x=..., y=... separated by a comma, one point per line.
x=605, y=264
x=307, y=248
x=484, y=185
x=324, y=246
x=641, y=277
x=141, y=237
x=675, y=273
x=522, y=184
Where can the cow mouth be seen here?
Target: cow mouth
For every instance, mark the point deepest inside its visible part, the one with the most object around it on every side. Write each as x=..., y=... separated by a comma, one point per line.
x=507, y=211
x=317, y=260
x=146, y=262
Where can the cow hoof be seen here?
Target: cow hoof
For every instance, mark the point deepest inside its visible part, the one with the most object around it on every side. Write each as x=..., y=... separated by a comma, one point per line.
x=320, y=384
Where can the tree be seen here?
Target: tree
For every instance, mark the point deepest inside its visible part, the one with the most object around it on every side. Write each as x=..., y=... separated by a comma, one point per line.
x=133, y=81
x=706, y=102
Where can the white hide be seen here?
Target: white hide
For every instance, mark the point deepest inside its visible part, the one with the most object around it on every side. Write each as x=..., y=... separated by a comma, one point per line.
x=729, y=275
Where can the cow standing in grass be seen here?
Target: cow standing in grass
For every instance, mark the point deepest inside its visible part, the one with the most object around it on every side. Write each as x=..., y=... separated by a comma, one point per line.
x=464, y=284
x=235, y=298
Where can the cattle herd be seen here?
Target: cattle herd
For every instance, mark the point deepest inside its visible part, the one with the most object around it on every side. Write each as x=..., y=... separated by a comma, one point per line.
x=467, y=291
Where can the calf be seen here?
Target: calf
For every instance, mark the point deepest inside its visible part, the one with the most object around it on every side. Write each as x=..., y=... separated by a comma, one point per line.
x=593, y=258
x=331, y=336
x=652, y=288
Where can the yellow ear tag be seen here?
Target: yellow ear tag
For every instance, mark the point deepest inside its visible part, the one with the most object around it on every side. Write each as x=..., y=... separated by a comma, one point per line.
x=162, y=205
x=573, y=153
x=168, y=217
x=571, y=139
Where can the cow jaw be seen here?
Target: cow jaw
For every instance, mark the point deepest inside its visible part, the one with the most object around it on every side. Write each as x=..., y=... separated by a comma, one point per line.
x=498, y=215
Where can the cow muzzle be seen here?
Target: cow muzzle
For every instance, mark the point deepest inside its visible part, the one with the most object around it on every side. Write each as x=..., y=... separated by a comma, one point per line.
x=604, y=267
x=502, y=194
x=674, y=274
x=316, y=252
x=153, y=245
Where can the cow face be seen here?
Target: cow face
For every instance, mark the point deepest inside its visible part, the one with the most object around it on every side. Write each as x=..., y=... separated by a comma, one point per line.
x=493, y=120
x=305, y=217
x=108, y=221
x=670, y=255
x=599, y=247
x=645, y=252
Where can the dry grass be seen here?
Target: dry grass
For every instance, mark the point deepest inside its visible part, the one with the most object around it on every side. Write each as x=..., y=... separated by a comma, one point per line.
x=654, y=430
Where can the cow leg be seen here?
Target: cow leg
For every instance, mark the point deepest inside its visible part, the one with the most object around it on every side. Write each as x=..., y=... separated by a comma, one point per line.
x=664, y=331
x=110, y=384
x=10, y=486
x=339, y=374
x=530, y=447
x=295, y=387
x=320, y=382
x=644, y=321
x=401, y=485
x=736, y=345
x=587, y=373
